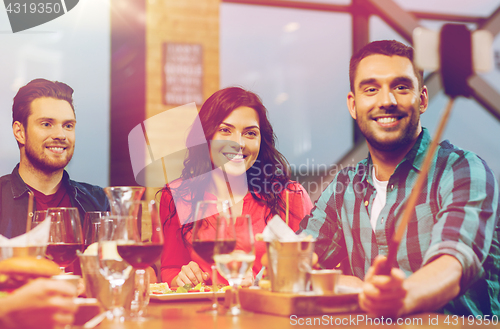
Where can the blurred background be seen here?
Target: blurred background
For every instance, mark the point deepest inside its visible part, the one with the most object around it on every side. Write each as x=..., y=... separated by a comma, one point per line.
x=129, y=60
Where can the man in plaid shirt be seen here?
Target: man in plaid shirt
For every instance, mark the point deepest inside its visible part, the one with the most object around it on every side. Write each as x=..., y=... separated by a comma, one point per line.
x=448, y=259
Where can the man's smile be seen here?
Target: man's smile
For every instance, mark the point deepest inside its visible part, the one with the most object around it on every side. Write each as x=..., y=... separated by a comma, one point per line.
x=387, y=119
x=58, y=149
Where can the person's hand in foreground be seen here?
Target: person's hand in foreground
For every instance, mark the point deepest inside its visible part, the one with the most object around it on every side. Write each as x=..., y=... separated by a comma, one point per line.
x=247, y=280
x=383, y=295
x=41, y=303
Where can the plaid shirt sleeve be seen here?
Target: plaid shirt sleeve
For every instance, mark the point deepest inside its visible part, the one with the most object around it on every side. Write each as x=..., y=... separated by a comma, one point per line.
x=456, y=214
x=467, y=216
x=324, y=225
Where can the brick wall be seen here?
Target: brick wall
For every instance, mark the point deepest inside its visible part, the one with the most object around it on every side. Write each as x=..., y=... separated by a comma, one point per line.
x=180, y=21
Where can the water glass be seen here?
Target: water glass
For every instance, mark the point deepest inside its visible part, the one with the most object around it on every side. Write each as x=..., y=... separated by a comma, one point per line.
x=114, y=269
x=91, y=224
x=234, y=253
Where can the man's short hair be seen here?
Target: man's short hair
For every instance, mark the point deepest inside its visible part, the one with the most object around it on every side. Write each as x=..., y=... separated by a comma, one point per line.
x=383, y=47
x=38, y=88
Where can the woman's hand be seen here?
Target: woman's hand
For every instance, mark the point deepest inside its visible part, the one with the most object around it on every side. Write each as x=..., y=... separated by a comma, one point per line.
x=191, y=273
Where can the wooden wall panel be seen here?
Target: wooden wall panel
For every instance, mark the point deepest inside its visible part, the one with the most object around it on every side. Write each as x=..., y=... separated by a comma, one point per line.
x=178, y=21
x=128, y=73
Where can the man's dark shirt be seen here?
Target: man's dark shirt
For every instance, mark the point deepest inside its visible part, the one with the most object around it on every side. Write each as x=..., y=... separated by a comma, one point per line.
x=14, y=202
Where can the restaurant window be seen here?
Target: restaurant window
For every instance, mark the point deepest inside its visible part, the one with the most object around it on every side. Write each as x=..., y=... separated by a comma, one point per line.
x=297, y=61
x=73, y=49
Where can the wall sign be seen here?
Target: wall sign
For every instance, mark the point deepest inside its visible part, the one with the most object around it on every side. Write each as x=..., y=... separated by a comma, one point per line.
x=182, y=73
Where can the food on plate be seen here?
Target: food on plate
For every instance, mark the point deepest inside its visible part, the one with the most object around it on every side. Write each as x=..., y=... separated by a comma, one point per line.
x=17, y=271
x=162, y=288
x=109, y=251
x=265, y=284
x=159, y=288
x=91, y=250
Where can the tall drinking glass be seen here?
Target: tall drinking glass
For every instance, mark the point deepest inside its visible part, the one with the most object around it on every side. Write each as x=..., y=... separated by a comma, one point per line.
x=141, y=248
x=113, y=230
x=234, y=263
x=204, y=236
x=38, y=217
x=65, y=236
x=37, y=240
x=91, y=224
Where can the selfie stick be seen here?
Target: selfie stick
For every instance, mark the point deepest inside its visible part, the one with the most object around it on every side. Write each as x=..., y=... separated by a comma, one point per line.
x=455, y=70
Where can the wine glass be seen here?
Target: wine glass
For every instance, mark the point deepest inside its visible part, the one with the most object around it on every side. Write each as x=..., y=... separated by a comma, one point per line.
x=141, y=250
x=65, y=236
x=204, y=235
x=91, y=224
x=38, y=217
x=37, y=242
x=234, y=254
x=112, y=230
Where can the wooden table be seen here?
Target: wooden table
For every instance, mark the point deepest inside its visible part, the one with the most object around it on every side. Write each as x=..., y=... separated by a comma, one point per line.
x=182, y=314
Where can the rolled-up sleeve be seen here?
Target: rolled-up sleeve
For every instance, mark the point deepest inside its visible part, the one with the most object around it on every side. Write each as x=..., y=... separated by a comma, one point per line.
x=467, y=217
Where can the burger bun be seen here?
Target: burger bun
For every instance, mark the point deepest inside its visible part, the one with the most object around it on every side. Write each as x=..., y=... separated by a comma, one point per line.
x=17, y=271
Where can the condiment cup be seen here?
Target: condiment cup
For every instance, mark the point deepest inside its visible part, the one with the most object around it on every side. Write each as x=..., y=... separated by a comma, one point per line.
x=325, y=281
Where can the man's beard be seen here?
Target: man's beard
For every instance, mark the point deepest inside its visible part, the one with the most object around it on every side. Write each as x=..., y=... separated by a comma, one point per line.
x=402, y=142
x=43, y=162
x=406, y=138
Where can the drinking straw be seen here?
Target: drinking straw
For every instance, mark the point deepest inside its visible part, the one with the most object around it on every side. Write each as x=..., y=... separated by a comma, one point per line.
x=287, y=207
x=30, y=211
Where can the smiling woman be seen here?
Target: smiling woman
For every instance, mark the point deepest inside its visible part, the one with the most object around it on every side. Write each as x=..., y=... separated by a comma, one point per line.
x=241, y=165
x=236, y=144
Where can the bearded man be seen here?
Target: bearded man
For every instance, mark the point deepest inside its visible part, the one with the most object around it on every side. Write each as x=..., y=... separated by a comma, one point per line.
x=43, y=123
x=449, y=257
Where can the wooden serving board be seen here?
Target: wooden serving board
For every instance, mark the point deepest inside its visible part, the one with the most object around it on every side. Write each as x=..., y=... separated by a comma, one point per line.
x=263, y=301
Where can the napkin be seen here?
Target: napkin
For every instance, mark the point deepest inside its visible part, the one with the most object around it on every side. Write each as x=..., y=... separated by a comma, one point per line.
x=39, y=236
x=32, y=243
x=277, y=229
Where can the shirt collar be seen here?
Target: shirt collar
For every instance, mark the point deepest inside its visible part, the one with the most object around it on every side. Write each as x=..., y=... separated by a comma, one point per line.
x=415, y=156
x=17, y=183
x=363, y=169
x=19, y=187
x=72, y=186
x=417, y=153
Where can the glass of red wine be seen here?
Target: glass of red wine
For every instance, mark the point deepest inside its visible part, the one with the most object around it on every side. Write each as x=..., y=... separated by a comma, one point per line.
x=141, y=247
x=65, y=236
x=203, y=238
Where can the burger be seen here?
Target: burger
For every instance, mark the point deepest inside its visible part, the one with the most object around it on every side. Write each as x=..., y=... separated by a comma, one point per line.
x=17, y=271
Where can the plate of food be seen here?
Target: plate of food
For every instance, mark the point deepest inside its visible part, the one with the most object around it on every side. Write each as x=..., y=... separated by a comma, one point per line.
x=161, y=291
